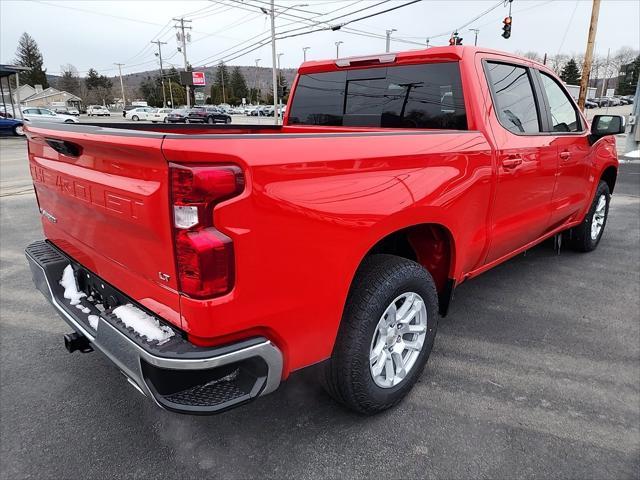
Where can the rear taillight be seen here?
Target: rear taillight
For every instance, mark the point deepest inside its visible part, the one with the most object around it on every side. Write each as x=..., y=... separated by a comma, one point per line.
x=204, y=256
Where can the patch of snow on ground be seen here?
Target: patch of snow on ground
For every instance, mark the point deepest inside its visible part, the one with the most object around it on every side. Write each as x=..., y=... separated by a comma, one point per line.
x=68, y=282
x=93, y=321
x=86, y=310
x=142, y=323
x=634, y=154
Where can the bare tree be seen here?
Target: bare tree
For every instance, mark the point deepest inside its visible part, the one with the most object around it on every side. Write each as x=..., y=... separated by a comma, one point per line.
x=558, y=61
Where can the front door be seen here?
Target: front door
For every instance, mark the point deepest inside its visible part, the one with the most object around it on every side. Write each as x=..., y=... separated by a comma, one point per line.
x=570, y=139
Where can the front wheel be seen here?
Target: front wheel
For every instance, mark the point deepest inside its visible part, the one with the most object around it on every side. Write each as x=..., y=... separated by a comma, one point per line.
x=386, y=334
x=135, y=118
x=227, y=120
x=211, y=120
x=586, y=236
x=18, y=131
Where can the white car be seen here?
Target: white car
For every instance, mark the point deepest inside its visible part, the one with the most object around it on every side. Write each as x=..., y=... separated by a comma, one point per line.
x=138, y=113
x=159, y=115
x=38, y=114
x=98, y=110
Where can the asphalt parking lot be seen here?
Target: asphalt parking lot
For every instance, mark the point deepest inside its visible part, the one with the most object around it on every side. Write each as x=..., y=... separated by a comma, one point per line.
x=534, y=373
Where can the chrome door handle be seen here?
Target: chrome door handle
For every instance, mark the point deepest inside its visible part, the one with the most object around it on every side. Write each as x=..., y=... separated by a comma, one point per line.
x=565, y=156
x=512, y=161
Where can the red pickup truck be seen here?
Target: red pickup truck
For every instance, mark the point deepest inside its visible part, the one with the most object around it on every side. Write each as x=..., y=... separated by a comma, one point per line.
x=210, y=262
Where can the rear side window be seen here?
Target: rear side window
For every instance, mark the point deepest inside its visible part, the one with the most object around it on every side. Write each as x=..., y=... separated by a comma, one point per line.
x=513, y=97
x=564, y=116
x=412, y=96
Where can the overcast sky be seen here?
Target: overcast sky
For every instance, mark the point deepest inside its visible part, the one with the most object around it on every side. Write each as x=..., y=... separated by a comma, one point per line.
x=99, y=33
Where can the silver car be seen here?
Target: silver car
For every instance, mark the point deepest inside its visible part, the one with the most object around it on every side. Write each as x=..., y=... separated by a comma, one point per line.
x=38, y=114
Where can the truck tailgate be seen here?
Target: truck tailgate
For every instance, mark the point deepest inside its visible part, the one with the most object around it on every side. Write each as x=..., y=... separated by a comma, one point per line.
x=104, y=200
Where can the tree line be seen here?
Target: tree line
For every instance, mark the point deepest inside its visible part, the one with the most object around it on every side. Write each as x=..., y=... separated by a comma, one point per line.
x=569, y=67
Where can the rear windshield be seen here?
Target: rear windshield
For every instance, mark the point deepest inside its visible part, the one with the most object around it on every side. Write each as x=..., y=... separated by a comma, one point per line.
x=412, y=96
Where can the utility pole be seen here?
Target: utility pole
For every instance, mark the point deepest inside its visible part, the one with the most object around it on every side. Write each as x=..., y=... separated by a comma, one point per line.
x=274, y=76
x=588, y=56
x=164, y=95
x=304, y=53
x=183, y=39
x=255, y=84
x=279, y=86
x=173, y=105
x=124, y=103
x=338, y=48
x=224, y=98
x=476, y=31
x=389, y=32
x=606, y=76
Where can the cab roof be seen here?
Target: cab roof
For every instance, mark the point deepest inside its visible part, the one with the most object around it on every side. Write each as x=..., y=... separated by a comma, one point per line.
x=433, y=54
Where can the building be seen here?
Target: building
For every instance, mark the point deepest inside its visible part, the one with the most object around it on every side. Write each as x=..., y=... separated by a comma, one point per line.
x=49, y=96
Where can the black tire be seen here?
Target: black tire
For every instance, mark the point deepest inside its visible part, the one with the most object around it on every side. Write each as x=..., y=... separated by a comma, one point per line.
x=227, y=120
x=211, y=120
x=346, y=375
x=135, y=118
x=579, y=237
x=18, y=130
x=69, y=121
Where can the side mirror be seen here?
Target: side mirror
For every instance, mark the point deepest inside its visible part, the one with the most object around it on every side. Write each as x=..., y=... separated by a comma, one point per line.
x=603, y=125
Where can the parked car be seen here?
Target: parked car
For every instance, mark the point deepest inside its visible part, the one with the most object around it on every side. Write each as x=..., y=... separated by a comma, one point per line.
x=73, y=111
x=209, y=115
x=126, y=109
x=214, y=267
x=138, y=113
x=179, y=115
x=159, y=115
x=11, y=126
x=607, y=101
x=98, y=110
x=258, y=112
x=39, y=114
x=590, y=104
x=626, y=99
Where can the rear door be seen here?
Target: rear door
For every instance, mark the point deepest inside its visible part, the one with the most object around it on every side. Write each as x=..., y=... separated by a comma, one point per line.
x=569, y=135
x=526, y=158
x=104, y=199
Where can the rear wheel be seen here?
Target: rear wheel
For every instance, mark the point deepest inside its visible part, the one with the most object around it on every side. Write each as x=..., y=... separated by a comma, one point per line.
x=386, y=334
x=227, y=120
x=586, y=236
x=210, y=120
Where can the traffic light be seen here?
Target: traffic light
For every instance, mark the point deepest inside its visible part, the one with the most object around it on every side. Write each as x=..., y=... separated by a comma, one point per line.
x=506, y=28
x=455, y=39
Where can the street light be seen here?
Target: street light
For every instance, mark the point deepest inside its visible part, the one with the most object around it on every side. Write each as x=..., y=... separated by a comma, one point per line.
x=338, y=43
x=304, y=53
x=389, y=32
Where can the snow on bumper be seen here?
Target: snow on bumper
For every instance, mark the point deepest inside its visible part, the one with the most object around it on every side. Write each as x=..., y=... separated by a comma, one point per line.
x=176, y=374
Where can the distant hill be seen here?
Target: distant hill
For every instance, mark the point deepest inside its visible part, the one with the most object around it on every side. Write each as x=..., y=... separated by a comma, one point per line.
x=262, y=75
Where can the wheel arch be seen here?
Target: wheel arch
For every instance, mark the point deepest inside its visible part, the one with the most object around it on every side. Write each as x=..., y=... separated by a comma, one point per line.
x=430, y=244
x=610, y=175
